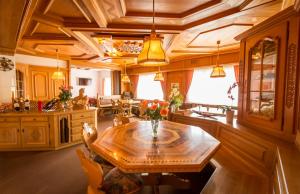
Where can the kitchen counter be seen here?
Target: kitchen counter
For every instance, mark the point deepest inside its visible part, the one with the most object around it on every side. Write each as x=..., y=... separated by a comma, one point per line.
x=33, y=130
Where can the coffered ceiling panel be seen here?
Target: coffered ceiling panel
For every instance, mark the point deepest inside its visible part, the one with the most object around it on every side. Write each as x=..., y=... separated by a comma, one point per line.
x=163, y=6
x=65, y=8
x=63, y=49
x=226, y=34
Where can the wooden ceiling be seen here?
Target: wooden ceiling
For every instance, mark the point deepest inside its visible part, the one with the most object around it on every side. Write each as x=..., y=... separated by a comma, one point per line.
x=187, y=27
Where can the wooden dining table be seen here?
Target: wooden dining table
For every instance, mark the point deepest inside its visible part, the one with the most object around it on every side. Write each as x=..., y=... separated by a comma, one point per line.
x=178, y=148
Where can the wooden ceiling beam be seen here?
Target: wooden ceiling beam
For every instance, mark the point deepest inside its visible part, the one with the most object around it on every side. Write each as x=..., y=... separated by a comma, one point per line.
x=99, y=65
x=45, y=19
x=145, y=26
x=48, y=5
x=48, y=37
x=82, y=9
x=96, y=11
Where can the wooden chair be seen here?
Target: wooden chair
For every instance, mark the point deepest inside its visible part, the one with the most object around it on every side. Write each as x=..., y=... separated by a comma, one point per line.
x=125, y=108
x=120, y=120
x=115, y=182
x=89, y=135
x=115, y=107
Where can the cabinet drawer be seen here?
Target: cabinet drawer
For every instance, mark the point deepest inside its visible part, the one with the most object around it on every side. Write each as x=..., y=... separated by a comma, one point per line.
x=76, y=130
x=9, y=119
x=32, y=119
x=79, y=123
x=76, y=138
x=81, y=115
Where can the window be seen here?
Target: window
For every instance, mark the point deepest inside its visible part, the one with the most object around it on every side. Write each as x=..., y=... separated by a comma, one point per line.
x=107, y=86
x=149, y=89
x=207, y=90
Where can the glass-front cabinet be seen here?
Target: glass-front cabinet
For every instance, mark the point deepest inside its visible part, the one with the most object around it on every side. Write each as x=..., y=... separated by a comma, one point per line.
x=262, y=86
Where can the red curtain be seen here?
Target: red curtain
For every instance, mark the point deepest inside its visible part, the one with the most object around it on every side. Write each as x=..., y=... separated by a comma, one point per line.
x=164, y=85
x=236, y=73
x=188, y=81
x=134, y=79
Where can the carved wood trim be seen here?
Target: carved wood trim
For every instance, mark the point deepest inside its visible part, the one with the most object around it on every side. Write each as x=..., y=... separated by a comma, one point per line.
x=291, y=75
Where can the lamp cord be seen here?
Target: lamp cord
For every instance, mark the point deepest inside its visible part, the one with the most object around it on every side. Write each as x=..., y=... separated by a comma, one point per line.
x=57, y=59
x=218, y=42
x=153, y=16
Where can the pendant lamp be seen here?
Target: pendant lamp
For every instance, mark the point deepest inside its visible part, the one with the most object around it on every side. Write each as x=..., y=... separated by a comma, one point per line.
x=152, y=53
x=125, y=77
x=218, y=70
x=159, y=76
x=58, y=75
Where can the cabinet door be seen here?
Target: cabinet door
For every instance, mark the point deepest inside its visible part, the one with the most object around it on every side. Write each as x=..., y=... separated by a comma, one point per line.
x=40, y=85
x=35, y=134
x=56, y=84
x=9, y=135
x=264, y=79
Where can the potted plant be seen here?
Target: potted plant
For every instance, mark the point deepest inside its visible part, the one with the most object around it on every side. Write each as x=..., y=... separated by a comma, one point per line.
x=175, y=99
x=156, y=110
x=64, y=96
x=228, y=109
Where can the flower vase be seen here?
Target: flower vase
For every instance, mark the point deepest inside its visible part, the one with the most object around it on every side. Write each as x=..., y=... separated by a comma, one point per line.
x=154, y=125
x=229, y=116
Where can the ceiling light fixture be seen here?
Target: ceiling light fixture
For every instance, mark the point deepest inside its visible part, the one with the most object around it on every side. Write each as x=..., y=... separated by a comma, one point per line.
x=152, y=53
x=159, y=76
x=58, y=75
x=218, y=70
x=125, y=77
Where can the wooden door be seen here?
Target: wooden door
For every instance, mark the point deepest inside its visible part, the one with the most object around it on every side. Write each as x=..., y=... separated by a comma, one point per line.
x=9, y=135
x=35, y=134
x=40, y=85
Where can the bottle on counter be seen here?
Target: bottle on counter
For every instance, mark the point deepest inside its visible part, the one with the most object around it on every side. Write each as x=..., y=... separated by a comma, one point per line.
x=16, y=105
x=27, y=105
x=40, y=105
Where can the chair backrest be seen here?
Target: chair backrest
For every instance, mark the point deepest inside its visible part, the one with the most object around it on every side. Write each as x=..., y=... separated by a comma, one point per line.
x=93, y=172
x=120, y=120
x=89, y=135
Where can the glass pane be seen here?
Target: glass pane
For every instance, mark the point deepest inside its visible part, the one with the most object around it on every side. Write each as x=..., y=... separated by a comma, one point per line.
x=254, y=102
x=267, y=104
x=269, y=65
x=256, y=67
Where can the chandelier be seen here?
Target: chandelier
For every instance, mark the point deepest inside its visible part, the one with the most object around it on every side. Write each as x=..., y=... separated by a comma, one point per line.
x=125, y=77
x=159, y=76
x=58, y=75
x=218, y=70
x=152, y=53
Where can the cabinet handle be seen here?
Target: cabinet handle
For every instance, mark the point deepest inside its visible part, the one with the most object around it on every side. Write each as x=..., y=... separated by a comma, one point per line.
x=34, y=119
x=18, y=130
x=23, y=130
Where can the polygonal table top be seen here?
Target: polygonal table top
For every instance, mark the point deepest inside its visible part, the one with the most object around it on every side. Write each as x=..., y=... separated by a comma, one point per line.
x=178, y=148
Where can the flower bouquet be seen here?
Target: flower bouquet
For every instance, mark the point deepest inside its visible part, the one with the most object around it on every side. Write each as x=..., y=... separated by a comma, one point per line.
x=65, y=95
x=156, y=110
x=175, y=99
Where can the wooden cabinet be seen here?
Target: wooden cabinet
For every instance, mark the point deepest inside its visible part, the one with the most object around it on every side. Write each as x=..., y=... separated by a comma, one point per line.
x=268, y=71
x=78, y=119
x=38, y=84
x=43, y=130
x=9, y=135
x=35, y=134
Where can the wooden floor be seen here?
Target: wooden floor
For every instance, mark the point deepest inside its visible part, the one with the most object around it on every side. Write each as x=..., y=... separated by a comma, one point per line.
x=60, y=172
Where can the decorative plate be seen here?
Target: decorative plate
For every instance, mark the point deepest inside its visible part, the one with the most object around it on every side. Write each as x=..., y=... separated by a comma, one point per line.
x=6, y=64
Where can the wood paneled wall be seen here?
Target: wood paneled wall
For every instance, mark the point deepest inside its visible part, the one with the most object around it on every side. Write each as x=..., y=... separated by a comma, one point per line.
x=185, y=64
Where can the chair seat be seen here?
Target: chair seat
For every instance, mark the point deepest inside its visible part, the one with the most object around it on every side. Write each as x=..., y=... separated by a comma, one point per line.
x=117, y=182
x=106, y=166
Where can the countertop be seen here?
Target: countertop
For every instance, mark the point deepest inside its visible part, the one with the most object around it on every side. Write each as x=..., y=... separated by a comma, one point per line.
x=44, y=113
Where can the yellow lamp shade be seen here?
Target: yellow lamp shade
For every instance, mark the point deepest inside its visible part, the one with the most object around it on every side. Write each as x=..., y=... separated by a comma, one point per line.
x=218, y=71
x=152, y=53
x=159, y=77
x=58, y=75
x=125, y=78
